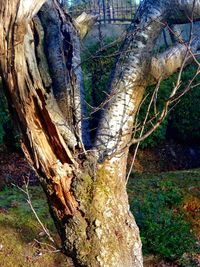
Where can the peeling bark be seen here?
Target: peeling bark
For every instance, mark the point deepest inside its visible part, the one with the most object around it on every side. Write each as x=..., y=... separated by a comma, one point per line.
x=43, y=144
x=82, y=199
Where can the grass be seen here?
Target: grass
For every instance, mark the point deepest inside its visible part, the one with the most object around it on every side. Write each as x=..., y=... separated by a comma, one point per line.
x=167, y=210
x=19, y=229
x=188, y=181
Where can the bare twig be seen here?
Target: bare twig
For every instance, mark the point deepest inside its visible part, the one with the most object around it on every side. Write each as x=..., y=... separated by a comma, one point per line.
x=26, y=192
x=142, y=130
x=48, y=245
x=175, y=95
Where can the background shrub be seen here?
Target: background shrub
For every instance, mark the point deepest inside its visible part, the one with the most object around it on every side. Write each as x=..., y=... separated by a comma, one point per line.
x=163, y=230
x=184, y=122
x=8, y=134
x=97, y=67
x=4, y=114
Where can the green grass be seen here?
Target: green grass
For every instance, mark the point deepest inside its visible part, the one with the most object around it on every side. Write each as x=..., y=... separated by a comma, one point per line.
x=19, y=229
x=172, y=194
x=183, y=179
x=166, y=208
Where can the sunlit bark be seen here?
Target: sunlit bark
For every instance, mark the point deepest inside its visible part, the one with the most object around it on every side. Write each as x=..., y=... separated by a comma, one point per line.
x=130, y=76
x=163, y=65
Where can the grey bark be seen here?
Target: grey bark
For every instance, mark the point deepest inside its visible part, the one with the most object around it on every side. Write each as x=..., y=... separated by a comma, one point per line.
x=129, y=78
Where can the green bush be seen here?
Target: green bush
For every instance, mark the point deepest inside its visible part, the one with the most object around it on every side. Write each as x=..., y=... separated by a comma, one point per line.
x=8, y=133
x=97, y=66
x=183, y=122
x=163, y=230
x=185, y=119
x=1, y=132
x=4, y=114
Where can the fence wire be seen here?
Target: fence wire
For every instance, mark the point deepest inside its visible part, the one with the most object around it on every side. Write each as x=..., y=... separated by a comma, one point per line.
x=108, y=11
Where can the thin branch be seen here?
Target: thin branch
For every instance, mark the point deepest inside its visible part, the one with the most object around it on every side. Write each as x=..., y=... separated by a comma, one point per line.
x=142, y=130
x=173, y=97
x=26, y=192
x=48, y=245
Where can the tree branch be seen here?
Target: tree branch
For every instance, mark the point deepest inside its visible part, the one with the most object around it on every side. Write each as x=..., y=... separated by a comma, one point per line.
x=165, y=64
x=28, y=8
x=62, y=50
x=184, y=11
x=41, y=72
x=130, y=75
x=84, y=23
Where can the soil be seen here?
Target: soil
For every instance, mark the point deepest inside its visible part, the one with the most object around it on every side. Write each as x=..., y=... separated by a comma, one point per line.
x=14, y=169
x=167, y=157
x=170, y=156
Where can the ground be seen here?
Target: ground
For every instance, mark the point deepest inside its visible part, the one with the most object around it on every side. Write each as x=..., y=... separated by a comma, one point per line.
x=14, y=169
x=169, y=156
x=22, y=239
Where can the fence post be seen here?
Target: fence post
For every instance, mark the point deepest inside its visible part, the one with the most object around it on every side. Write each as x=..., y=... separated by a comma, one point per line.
x=109, y=10
x=104, y=10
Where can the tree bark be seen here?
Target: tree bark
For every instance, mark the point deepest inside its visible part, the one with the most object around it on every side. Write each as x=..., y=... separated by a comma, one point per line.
x=87, y=200
x=40, y=68
x=104, y=233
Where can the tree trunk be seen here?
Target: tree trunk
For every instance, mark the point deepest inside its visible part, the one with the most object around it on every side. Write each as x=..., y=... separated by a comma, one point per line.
x=87, y=200
x=106, y=230
x=40, y=69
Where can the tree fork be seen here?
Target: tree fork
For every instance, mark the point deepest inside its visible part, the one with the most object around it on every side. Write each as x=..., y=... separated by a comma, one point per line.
x=78, y=195
x=86, y=190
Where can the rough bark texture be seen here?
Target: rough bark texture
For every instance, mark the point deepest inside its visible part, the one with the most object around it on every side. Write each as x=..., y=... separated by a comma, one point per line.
x=90, y=210
x=40, y=68
x=107, y=233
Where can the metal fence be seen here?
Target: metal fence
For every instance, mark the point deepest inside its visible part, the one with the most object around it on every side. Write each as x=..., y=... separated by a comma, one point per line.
x=108, y=11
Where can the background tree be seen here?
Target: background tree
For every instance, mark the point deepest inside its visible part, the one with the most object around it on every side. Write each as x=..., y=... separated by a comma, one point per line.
x=85, y=183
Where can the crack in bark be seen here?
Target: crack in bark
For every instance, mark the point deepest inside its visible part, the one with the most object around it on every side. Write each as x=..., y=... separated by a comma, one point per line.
x=51, y=131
